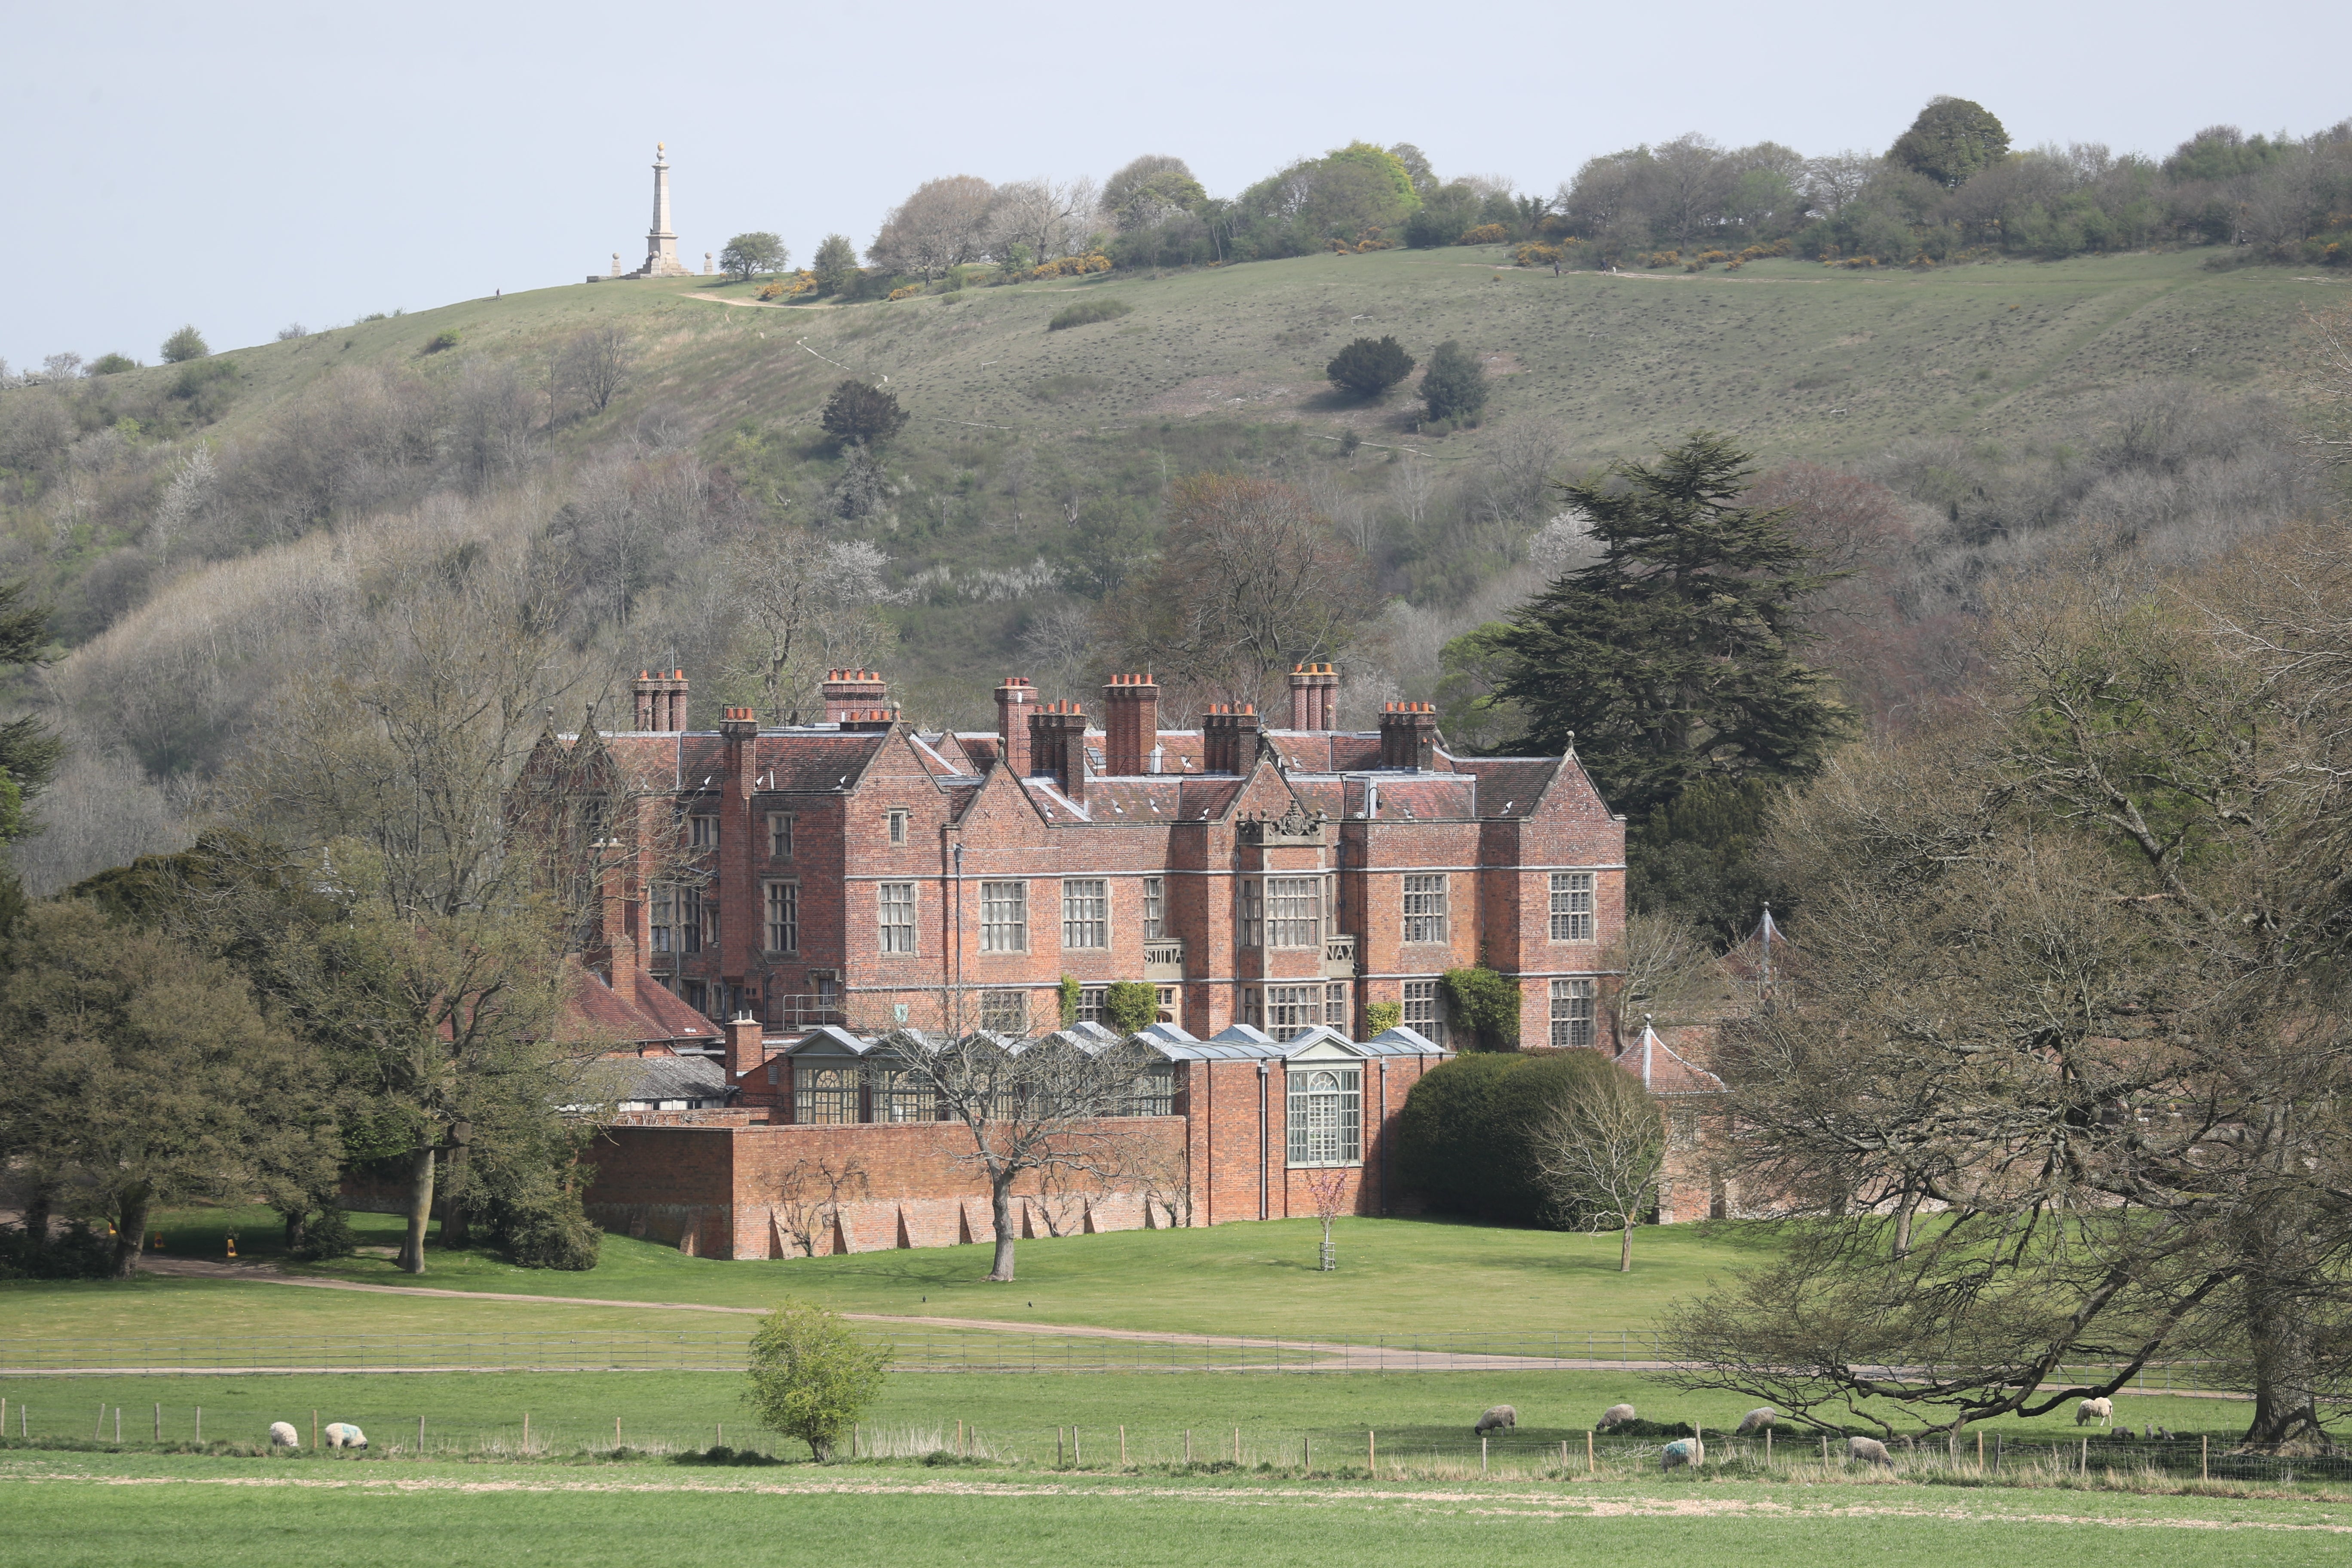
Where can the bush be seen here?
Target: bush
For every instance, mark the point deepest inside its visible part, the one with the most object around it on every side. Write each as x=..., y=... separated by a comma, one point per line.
x=1130, y=1006
x=863, y=414
x=79, y=1254
x=1379, y=1017
x=1087, y=311
x=552, y=1232
x=112, y=364
x=1368, y=369
x=1482, y=1000
x=326, y=1234
x=1456, y=385
x=1443, y=1148
x=1485, y=234
x=811, y=1375
x=183, y=345
x=444, y=339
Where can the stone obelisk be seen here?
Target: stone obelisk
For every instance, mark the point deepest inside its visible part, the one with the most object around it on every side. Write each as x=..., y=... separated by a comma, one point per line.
x=661, y=244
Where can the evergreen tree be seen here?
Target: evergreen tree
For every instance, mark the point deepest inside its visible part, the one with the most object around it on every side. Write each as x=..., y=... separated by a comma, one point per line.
x=1673, y=659
x=861, y=414
x=28, y=753
x=1455, y=386
x=1368, y=369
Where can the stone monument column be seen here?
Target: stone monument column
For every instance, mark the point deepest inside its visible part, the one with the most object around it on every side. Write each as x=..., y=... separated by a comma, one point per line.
x=661, y=242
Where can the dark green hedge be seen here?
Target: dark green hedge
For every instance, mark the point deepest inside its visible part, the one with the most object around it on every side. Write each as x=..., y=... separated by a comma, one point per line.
x=1462, y=1138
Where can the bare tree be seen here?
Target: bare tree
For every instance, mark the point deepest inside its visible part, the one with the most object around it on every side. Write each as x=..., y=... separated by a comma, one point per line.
x=187, y=501
x=1598, y=1155
x=809, y=1199
x=1834, y=182
x=1059, y=641
x=1410, y=490
x=943, y=224
x=1328, y=1190
x=805, y=605
x=598, y=360
x=1667, y=971
x=1051, y=218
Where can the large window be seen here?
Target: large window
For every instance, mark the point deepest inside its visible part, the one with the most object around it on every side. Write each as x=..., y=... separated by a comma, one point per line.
x=1005, y=917
x=681, y=919
x=1155, y=908
x=1424, y=908
x=783, y=900
x=702, y=831
x=902, y=1096
x=1090, y=1003
x=1290, y=1008
x=1572, y=1013
x=898, y=907
x=1326, y=1116
x=824, y=1093
x=661, y=919
x=1293, y=911
x=1571, y=906
x=1424, y=1011
x=1253, y=912
x=1335, y=1005
x=1005, y=1011
x=1085, y=912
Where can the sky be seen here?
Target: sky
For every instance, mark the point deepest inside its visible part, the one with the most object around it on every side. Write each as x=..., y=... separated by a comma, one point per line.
x=242, y=166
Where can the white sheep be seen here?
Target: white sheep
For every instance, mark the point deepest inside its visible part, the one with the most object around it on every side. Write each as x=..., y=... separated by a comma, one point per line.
x=343, y=1435
x=1870, y=1450
x=1759, y=1419
x=1681, y=1451
x=283, y=1435
x=1615, y=1416
x=1501, y=1418
x=2101, y=1411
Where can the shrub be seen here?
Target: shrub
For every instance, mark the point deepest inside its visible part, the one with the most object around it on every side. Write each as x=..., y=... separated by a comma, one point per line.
x=79, y=1254
x=1379, y=1017
x=1071, y=991
x=1368, y=368
x=1443, y=1148
x=326, y=1234
x=1485, y=234
x=1087, y=311
x=1454, y=388
x=444, y=339
x=112, y=364
x=908, y=292
x=1482, y=1000
x=1130, y=1006
x=810, y=1376
x=183, y=345
x=857, y=412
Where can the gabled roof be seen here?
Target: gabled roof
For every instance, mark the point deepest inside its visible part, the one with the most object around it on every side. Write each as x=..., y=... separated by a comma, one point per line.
x=655, y=1015
x=670, y=1077
x=1509, y=786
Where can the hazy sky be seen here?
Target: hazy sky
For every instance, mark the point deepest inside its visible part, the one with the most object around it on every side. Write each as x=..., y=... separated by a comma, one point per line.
x=245, y=165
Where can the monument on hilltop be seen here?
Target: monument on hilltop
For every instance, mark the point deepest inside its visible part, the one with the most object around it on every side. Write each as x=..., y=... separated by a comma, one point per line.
x=661, y=241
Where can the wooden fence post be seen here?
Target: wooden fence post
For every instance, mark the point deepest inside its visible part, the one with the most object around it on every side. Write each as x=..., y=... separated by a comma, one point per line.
x=1482, y=1455
x=1589, y=1466
x=2205, y=1457
x=159, y=1422
x=1122, y=1448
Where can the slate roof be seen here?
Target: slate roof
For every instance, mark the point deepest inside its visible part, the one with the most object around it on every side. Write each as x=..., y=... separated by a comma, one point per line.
x=651, y=1079
x=1509, y=786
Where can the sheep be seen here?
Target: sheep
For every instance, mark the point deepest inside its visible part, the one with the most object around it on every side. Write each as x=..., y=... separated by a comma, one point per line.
x=1759, y=1419
x=283, y=1435
x=1615, y=1416
x=1869, y=1450
x=2101, y=1411
x=1501, y=1418
x=1681, y=1451
x=343, y=1435
x=2164, y=1433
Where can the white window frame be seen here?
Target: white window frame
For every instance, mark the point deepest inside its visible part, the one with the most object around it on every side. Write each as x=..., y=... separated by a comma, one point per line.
x=1005, y=917
x=1287, y=1009
x=1155, y=908
x=702, y=830
x=1090, y=1003
x=1424, y=1010
x=894, y=899
x=1085, y=912
x=1335, y=1005
x=1425, y=910
x=1293, y=911
x=1571, y=906
x=781, y=903
x=1253, y=909
x=1324, y=1116
x=1575, y=1011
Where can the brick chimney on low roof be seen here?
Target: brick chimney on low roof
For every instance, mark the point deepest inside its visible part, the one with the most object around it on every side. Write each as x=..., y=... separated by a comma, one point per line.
x=660, y=701
x=867, y=720
x=1228, y=738
x=1314, y=696
x=1015, y=699
x=1409, y=735
x=846, y=689
x=1057, y=745
x=1130, y=724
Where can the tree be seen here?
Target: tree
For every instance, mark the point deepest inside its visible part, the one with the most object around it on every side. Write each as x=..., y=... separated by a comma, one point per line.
x=861, y=414
x=812, y=1376
x=1455, y=386
x=1673, y=658
x=1598, y=1156
x=803, y=605
x=943, y=224
x=1666, y=970
x=1049, y=218
x=1329, y=1189
x=1150, y=190
x=1951, y=139
x=28, y=753
x=746, y=254
x=598, y=360
x=183, y=345
x=809, y=1196
x=1368, y=369
x=836, y=264
x=1130, y=1006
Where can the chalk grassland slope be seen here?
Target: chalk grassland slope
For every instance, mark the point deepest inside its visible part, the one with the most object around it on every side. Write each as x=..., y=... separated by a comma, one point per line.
x=1797, y=359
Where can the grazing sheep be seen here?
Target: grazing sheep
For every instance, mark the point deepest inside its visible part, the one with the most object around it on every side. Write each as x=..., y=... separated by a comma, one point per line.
x=1615, y=1416
x=1869, y=1450
x=1501, y=1418
x=2164, y=1433
x=1759, y=1419
x=2101, y=1411
x=283, y=1435
x=343, y=1435
x=1681, y=1451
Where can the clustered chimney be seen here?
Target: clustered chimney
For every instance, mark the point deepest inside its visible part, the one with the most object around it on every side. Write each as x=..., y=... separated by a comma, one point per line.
x=1228, y=738
x=741, y=724
x=661, y=702
x=1130, y=724
x=1314, y=696
x=1014, y=699
x=867, y=720
x=847, y=690
x=1057, y=745
x=1409, y=735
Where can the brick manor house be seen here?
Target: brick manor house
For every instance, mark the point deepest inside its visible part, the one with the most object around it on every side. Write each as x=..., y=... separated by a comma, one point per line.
x=807, y=889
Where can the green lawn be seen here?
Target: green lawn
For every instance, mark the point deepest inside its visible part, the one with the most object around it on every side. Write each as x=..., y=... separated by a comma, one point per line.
x=71, y=1510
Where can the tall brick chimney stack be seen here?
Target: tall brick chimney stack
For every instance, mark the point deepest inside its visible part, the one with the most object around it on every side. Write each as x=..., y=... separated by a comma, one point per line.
x=1130, y=724
x=1228, y=738
x=1015, y=699
x=853, y=690
x=1409, y=735
x=1057, y=744
x=1314, y=696
x=746, y=1053
x=660, y=701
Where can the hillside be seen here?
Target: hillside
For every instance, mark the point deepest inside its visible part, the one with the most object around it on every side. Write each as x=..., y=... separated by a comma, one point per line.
x=1027, y=483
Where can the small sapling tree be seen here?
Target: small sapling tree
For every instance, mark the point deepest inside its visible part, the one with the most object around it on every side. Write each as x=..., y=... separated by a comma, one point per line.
x=1327, y=1188
x=1368, y=369
x=811, y=1375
